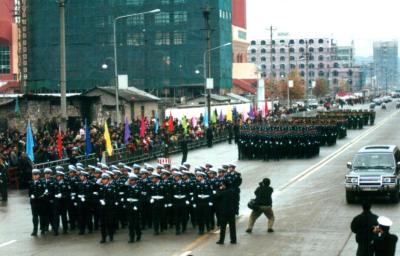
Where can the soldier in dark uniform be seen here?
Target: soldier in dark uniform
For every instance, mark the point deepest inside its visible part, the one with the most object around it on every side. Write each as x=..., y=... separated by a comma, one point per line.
x=384, y=243
x=73, y=180
x=214, y=183
x=84, y=194
x=95, y=204
x=48, y=199
x=61, y=194
x=3, y=180
x=202, y=202
x=180, y=203
x=234, y=179
x=168, y=219
x=36, y=191
x=107, y=199
x=157, y=194
x=133, y=199
x=226, y=199
x=186, y=178
x=146, y=213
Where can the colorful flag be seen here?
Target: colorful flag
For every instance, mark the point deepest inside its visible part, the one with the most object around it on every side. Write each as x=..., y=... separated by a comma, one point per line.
x=194, y=122
x=17, y=109
x=171, y=123
x=221, y=117
x=142, y=128
x=29, y=142
x=251, y=113
x=205, y=120
x=245, y=115
x=127, y=131
x=107, y=138
x=266, y=111
x=235, y=113
x=156, y=123
x=184, y=124
x=213, y=117
x=88, y=144
x=59, y=144
x=229, y=114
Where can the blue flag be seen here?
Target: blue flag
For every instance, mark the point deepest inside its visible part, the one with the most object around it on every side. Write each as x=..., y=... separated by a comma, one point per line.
x=17, y=109
x=29, y=142
x=156, y=123
x=206, y=119
x=88, y=145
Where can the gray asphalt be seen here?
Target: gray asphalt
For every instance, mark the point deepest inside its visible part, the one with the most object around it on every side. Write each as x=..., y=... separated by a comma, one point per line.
x=312, y=217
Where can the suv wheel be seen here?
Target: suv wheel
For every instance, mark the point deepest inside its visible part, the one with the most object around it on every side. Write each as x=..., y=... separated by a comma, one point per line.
x=350, y=198
x=394, y=197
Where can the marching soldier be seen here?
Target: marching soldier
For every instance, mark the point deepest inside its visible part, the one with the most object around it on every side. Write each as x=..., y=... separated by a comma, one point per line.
x=107, y=199
x=84, y=194
x=179, y=191
x=95, y=204
x=202, y=202
x=73, y=181
x=133, y=199
x=157, y=194
x=48, y=199
x=36, y=192
x=61, y=193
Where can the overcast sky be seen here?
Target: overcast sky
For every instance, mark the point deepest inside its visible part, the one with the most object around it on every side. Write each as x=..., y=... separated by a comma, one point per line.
x=345, y=20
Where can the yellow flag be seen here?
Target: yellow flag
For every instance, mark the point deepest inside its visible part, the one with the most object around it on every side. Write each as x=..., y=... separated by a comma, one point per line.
x=229, y=114
x=107, y=138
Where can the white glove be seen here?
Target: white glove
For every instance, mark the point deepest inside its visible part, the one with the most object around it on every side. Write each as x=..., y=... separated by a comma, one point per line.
x=187, y=202
x=75, y=204
x=122, y=199
x=194, y=206
x=214, y=192
x=95, y=193
x=151, y=200
x=169, y=205
x=58, y=195
x=165, y=205
x=102, y=202
x=116, y=203
x=32, y=196
x=210, y=204
x=73, y=198
x=82, y=199
x=135, y=208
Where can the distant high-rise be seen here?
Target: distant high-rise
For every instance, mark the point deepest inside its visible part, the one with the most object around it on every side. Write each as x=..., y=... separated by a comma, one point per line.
x=385, y=64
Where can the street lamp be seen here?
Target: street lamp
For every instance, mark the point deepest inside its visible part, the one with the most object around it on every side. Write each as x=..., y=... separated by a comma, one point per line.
x=205, y=78
x=115, y=55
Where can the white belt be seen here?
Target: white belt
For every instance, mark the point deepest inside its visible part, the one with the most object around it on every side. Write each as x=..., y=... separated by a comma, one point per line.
x=179, y=196
x=203, y=196
x=132, y=200
x=80, y=196
x=157, y=197
x=121, y=193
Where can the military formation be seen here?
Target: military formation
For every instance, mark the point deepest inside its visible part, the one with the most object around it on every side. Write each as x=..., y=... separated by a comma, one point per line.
x=300, y=137
x=112, y=198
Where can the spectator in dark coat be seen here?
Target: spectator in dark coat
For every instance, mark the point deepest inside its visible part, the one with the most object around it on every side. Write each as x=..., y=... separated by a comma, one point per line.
x=226, y=212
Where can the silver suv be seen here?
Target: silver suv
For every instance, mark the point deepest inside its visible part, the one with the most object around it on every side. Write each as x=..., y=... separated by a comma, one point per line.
x=374, y=171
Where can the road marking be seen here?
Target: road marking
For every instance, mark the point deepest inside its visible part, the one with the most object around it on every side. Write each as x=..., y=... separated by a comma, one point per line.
x=345, y=244
x=8, y=243
x=316, y=167
x=187, y=253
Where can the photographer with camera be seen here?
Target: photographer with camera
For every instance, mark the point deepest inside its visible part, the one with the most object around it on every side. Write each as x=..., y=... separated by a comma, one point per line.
x=263, y=204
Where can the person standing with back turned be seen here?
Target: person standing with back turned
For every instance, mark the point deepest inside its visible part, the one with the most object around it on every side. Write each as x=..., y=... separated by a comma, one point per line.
x=264, y=205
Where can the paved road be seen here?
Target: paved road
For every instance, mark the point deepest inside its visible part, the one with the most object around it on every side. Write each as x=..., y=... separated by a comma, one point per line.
x=312, y=215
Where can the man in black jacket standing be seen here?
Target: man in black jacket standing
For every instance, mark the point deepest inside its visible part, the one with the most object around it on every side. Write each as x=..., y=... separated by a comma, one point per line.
x=363, y=226
x=264, y=205
x=226, y=207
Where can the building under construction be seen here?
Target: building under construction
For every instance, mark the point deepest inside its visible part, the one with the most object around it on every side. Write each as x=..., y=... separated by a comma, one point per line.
x=161, y=53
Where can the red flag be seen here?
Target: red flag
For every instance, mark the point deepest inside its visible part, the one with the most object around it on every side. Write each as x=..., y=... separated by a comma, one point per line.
x=142, y=128
x=266, y=108
x=59, y=144
x=171, y=123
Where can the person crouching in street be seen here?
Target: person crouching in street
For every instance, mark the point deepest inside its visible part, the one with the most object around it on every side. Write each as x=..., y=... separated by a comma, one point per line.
x=226, y=207
x=264, y=205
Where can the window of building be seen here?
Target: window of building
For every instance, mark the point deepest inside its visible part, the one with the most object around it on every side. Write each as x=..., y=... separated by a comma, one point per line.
x=311, y=73
x=311, y=49
x=292, y=58
x=291, y=41
x=273, y=50
x=253, y=59
x=321, y=73
x=135, y=20
x=301, y=49
x=180, y=17
x=292, y=50
x=273, y=58
x=162, y=38
x=282, y=41
x=282, y=58
x=335, y=81
x=321, y=49
x=263, y=59
x=320, y=57
x=134, y=2
x=263, y=50
x=302, y=73
x=253, y=42
x=321, y=65
x=263, y=66
x=135, y=39
x=335, y=73
x=253, y=51
x=336, y=65
x=273, y=66
x=4, y=59
x=179, y=37
x=282, y=74
x=292, y=66
x=162, y=18
x=282, y=50
x=311, y=65
x=302, y=66
x=320, y=41
x=273, y=42
x=282, y=66
x=311, y=57
x=311, y=41
x=301, y=41
x=263, y=42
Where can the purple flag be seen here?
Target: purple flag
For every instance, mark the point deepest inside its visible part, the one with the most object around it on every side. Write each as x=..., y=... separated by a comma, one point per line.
x=221, y=117
x=127, y=131
x=251, y=113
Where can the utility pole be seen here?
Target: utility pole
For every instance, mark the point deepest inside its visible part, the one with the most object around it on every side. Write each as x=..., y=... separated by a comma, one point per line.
x=206, y=15
x=63, y=82
x=306, y=77
x=271, y=72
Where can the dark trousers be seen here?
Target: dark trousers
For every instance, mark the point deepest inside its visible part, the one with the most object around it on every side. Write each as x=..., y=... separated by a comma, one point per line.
x=95, y=208
x=364, y=250
x=47, y=215
x=146, y=214
x=36, y=215
x=84, y=218
x=3, y=191
x=158, y=213
x=72, y=214
x=133, y=218
x=203, y=216
x=181, y=215
x=107, y=223
x=224, y=220
x=184, y=156
x=59, y=210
